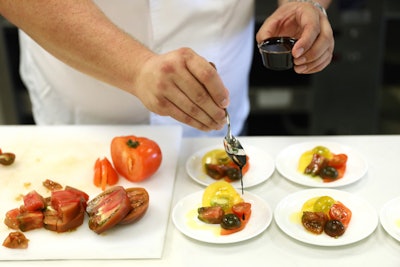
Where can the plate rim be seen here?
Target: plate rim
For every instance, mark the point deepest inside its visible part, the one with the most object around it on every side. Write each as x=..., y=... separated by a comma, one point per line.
x=384, y=220
x=312, y=184
x=267, y=175
x=326, y=191
x=230, y=238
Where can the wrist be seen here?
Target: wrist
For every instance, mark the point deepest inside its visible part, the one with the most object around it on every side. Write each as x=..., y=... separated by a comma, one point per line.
x=314, y=3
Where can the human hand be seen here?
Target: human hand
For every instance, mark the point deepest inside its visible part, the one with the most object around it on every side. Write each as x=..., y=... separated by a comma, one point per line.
x=185, y=86
x=303, y=21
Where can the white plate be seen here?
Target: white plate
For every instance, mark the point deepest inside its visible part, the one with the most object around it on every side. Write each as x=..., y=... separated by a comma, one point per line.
x=184, y=216
x=363, y=222
x=288, y=159
x=262, y=166
x=390, y=218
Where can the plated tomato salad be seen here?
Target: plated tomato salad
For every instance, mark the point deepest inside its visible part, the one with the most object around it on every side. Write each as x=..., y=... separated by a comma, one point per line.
x=323, y=214
x=323, y=163
x=223, y=205
x=218, y=165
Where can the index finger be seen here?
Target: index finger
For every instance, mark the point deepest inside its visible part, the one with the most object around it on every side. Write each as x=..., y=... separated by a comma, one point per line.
x=206, y=73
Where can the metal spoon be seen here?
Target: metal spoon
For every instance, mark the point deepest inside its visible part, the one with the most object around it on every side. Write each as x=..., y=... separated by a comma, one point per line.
x=234, y=149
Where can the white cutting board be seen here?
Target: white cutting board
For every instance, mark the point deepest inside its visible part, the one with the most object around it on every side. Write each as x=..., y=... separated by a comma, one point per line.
x=66, y=154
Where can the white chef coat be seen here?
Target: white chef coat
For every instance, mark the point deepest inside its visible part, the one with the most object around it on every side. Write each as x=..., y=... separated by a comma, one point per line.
x=222, y=31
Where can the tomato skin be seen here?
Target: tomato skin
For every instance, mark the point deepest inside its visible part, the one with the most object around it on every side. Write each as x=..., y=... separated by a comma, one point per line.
x=104, y=173
x=340, y=212
x=139, y=199
x=135, y=158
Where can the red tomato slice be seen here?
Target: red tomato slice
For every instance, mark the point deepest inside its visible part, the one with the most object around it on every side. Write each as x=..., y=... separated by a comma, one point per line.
x=338, y=160
x=104, y=174
x=340, y=212
x=135, y=158
x=242, y=210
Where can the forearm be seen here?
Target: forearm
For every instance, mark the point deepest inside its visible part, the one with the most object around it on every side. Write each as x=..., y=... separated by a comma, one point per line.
x=79, y=34
x=324, y=3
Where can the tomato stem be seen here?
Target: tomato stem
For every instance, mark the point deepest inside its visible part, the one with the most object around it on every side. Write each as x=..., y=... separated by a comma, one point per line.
x=132, y=144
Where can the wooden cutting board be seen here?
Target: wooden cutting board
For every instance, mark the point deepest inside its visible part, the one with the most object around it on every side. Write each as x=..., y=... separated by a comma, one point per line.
x=66, y=154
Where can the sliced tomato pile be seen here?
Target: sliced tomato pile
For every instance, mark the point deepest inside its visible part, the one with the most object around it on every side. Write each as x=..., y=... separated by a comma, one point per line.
x=222, y=204
x=321, y=162
x=64, y=210
x=218, y=165
x=324, y=214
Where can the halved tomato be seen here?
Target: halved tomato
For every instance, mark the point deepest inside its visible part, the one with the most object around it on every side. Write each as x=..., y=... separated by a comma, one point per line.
x=135, y=158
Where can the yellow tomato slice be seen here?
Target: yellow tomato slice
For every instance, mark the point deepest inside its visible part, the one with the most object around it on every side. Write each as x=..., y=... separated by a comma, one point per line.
x=221, y=193
x=324, y=204
x=309, y=204
x=216, y=156
x=305, y=160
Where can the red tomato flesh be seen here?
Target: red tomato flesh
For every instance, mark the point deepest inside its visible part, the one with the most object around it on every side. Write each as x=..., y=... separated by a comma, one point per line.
x=340, y=212
x=33, y=201
x=104, y=173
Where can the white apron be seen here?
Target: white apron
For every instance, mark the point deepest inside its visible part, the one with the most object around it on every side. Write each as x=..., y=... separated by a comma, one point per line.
x=222, y=31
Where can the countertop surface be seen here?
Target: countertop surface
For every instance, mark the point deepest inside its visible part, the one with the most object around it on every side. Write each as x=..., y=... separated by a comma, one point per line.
x=273, y=247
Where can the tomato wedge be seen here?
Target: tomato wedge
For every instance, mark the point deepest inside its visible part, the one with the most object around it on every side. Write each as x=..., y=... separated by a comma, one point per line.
x=104, y=173
x=341, y=213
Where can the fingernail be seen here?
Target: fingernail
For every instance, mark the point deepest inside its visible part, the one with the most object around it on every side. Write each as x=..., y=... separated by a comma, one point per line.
x=301, y=60
x=301, y=69
x=224, y=103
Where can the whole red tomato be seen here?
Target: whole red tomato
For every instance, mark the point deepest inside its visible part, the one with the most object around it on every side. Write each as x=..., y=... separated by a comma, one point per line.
x=135, y=158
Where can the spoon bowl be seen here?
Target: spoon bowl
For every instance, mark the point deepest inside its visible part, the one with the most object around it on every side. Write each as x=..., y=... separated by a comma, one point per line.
x=234, y=149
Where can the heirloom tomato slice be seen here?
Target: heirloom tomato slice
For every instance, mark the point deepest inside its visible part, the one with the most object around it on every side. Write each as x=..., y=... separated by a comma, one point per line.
x=221, y=193
x=340, y=212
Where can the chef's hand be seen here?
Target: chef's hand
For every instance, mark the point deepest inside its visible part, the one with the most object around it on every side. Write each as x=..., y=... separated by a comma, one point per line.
x=303, y=21
x=183, y=85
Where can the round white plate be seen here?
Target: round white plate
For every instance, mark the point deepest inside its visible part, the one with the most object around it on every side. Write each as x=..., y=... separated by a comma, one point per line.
x=390, y=218
x=288, y=159
x=184, y=216
x=262, y=166
x=363, y=222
